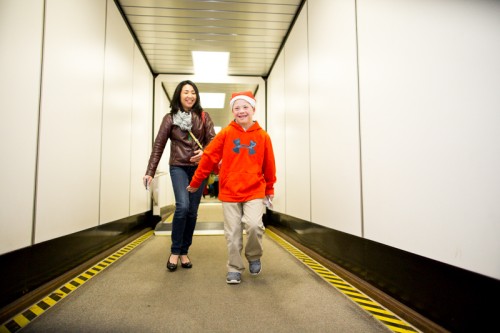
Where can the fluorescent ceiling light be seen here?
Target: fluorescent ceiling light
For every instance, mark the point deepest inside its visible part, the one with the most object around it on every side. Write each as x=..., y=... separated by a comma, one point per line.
x=210, y=64
x=212, y=100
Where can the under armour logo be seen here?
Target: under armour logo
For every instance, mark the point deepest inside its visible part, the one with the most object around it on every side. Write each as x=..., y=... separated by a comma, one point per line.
x=238, y=146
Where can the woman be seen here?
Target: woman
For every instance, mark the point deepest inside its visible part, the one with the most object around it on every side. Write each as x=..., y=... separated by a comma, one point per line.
x=189, y=128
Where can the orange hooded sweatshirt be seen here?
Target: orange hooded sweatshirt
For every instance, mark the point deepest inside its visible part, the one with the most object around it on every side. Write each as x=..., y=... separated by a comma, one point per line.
x=247, y=171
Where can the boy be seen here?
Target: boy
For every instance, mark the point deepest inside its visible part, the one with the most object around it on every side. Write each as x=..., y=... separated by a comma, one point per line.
x=246, y=177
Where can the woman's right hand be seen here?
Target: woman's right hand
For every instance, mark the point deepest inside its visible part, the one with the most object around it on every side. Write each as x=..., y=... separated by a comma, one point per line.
x=146, y=180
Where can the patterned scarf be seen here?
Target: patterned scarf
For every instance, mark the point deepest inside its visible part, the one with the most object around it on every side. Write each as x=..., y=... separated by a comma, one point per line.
x=183, y=120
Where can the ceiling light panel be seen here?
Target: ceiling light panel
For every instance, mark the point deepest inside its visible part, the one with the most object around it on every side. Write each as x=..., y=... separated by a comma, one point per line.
x=212, y=100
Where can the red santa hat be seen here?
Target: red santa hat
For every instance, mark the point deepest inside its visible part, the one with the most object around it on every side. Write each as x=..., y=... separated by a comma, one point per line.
x=245, y=95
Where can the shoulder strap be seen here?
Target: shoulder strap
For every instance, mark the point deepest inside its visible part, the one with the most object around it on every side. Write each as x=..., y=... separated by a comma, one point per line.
x=192, y=135
x=196, y=140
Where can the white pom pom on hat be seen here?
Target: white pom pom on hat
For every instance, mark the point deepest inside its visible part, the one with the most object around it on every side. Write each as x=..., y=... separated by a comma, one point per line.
x=245, y=95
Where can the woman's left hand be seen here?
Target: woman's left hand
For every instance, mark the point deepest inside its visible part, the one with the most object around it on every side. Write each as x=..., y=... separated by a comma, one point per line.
x=197, y=157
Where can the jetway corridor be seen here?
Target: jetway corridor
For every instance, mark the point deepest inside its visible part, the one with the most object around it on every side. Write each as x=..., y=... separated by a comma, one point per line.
x=131, y=291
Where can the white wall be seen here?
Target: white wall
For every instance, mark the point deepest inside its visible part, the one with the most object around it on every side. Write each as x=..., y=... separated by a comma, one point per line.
x=141, y=135
x=116, y=118
x=429, y=124
x=162, y=185
x=430, y=105
x=70, y=118
x=19, y=100
x=63, y=123
x=297, y=129
x=276, y=109
x=335, y=161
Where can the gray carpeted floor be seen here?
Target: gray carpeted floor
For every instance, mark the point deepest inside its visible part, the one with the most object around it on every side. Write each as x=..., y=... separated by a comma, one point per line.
x=138, y=294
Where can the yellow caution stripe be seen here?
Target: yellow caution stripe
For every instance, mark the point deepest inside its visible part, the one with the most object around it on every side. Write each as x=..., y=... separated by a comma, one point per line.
x=27, y=316
x=386, y=317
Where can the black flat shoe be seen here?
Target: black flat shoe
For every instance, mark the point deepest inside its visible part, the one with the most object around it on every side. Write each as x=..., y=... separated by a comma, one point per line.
x=171, y=267
x=186, y=264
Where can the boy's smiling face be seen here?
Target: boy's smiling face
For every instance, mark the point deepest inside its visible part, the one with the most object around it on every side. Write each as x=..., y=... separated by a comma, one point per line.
x=243, y=113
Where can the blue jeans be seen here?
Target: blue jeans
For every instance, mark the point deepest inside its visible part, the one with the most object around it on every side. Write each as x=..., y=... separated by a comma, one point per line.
x=186, y=208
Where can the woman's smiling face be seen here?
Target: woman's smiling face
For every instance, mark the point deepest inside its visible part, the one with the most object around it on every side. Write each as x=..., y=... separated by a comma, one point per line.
x=188, y=97
x=243, y=113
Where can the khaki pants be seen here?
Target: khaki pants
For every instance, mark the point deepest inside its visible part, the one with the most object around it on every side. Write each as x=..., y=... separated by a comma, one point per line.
x=236, y=216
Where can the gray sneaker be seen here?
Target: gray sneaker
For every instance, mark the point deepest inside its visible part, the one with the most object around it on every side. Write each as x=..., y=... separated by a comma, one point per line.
x=255, y=267
x=233, y=278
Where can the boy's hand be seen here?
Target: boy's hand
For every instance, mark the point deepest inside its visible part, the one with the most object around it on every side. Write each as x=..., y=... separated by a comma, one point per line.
x=191, y=189
x=268, y=201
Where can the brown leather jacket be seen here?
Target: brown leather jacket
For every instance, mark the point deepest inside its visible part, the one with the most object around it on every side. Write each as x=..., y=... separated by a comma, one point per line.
x=182, y=146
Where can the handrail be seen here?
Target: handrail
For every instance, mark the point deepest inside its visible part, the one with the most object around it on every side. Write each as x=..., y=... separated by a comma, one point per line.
x=161, y=173
x=153, y=189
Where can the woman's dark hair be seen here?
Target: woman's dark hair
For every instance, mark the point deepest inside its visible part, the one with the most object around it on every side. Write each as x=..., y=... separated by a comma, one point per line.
x=175, y=103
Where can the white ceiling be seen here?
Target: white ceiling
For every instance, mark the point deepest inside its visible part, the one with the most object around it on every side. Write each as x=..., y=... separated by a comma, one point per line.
x=252, y=31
